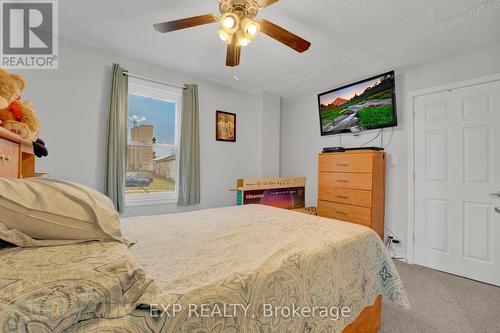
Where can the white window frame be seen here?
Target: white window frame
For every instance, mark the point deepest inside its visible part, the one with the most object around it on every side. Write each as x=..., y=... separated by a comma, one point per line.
x=169, y=94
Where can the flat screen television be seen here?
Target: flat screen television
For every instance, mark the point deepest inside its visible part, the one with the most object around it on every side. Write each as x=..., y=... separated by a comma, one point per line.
x=361, y=106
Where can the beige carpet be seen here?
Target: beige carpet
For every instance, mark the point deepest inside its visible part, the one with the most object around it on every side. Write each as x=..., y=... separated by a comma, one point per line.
x=442, y=303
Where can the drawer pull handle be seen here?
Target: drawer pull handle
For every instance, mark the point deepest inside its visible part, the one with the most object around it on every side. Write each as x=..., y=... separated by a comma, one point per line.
x=342, y=197
x=343, y=165
x=342, y=181
x=5, y=158
x=340, y=213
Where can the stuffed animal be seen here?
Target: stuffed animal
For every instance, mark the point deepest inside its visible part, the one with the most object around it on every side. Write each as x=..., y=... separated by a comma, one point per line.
x=21, y=119
x=11, y=86
x=18, y=117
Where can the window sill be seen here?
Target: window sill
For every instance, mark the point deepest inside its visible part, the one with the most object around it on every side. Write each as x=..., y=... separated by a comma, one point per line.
x=150, y=199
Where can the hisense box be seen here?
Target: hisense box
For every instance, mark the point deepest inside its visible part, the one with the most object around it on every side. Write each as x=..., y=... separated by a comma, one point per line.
x=287, y=193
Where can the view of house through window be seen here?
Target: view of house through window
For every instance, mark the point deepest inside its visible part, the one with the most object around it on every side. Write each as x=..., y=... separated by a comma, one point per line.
x=152, y=143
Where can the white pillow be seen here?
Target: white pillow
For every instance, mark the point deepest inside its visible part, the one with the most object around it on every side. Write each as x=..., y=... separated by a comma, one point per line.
x=47, y=209
x=17, y=238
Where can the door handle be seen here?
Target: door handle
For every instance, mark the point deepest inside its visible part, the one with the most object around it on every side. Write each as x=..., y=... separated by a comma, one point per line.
x=495, y=194
x=497, y=210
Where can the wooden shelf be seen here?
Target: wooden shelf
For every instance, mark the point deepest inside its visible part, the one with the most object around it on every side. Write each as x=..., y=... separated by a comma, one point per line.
x=26, y=146
x=26, y=157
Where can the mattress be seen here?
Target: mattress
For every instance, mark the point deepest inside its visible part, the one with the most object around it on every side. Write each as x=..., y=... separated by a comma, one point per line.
x=236, y=269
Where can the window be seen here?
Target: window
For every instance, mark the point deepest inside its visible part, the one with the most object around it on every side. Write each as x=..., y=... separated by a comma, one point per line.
x=153, y=144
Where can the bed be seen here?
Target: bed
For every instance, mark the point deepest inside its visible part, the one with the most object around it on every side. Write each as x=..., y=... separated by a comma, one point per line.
x=246, y=265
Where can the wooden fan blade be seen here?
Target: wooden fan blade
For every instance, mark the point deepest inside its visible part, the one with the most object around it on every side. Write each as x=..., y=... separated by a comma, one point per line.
x=266, y=3
x=233, y=53
x=283, y=36
x=185, y=23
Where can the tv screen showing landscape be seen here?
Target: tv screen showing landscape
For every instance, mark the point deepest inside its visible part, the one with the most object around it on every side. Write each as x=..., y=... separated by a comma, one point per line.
x=364, y=105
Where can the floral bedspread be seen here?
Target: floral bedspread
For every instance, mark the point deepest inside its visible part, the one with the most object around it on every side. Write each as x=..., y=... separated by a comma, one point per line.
x=248, y=266
x=49, y=289
x=239, y=269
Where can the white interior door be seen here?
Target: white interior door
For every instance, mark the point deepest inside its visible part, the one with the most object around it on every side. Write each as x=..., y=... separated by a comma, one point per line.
x=457, y=165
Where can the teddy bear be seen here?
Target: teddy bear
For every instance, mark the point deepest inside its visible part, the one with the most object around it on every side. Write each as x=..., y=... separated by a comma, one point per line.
x=11, y=86
x=21, y=119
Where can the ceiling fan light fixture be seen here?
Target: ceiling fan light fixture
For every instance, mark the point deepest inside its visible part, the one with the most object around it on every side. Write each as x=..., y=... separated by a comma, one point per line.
x=244, y=41
x=224, y=36
x=250, y=27
x=230, y=22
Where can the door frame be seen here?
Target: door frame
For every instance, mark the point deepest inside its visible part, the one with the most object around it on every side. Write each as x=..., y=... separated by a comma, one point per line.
x=410, y=125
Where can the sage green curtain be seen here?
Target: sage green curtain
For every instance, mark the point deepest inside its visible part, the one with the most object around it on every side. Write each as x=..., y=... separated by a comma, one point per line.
x=117, y=139
x=189, y=161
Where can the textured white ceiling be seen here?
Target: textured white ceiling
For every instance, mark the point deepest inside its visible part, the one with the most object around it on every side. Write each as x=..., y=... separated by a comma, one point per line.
x=349, y=38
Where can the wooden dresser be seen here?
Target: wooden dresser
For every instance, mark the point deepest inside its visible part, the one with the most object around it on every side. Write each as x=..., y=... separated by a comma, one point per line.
x=351, y=187
x=16, y=156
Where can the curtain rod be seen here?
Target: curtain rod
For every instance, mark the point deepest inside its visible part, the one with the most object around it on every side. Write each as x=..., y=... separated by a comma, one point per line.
x=153, y=80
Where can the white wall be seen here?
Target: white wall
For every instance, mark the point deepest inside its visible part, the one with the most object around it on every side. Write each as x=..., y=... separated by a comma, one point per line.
x=301, y=140
x=72, y=104
x=271, y=118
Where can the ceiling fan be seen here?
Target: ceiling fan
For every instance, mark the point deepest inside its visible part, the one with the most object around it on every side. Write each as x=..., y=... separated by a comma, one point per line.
x=239, y=27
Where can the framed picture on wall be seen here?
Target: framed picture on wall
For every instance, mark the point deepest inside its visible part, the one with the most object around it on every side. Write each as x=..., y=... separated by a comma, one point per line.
x=225, y=126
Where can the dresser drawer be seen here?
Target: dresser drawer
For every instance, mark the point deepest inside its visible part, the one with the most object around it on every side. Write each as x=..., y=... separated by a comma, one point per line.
x=358, y=215
x=346, y=163
x=347, y=196
x=9, y=159
x=359, y=181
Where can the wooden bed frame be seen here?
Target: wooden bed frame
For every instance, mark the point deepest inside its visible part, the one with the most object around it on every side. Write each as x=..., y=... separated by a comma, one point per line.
x=369, y=320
